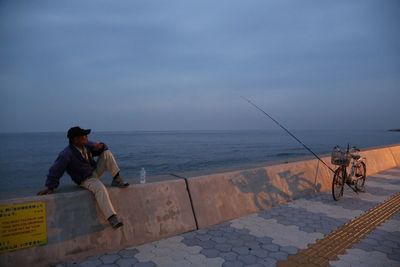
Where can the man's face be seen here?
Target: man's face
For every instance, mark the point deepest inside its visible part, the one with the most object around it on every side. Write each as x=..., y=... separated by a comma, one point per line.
x=80, y=140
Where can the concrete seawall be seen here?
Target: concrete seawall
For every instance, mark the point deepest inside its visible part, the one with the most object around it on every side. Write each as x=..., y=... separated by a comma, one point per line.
x=76, y=227
x=222, y=197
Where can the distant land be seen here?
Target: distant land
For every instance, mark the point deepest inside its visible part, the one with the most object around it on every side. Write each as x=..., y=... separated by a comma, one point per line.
x=394, y=130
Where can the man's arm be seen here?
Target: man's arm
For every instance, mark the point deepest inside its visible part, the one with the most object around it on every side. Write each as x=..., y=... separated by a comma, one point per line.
x=97, y=148
x=55, y=173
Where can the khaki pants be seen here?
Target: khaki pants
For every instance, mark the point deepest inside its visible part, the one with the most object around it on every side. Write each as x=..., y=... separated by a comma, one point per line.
x=107, y=162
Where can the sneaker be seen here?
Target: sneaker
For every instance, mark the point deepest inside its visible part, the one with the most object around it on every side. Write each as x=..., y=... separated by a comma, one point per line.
x=119, y=182
x=115, y=223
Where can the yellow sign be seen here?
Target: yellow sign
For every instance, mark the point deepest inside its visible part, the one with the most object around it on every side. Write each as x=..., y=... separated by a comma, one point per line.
x=22, y=225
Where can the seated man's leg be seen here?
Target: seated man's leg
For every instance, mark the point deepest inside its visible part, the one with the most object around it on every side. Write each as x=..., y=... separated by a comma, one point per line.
x=107, y=161
x=100, y=192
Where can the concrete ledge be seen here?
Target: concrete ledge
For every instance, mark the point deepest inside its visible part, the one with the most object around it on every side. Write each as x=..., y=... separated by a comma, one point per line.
x=396, y=154
x=76, y=228
x=379, y=159
x=226, y=196
x=222, y=197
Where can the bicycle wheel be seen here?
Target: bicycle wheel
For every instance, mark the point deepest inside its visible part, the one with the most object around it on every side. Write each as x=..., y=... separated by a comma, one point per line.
x=361, y=173
x=338, y=184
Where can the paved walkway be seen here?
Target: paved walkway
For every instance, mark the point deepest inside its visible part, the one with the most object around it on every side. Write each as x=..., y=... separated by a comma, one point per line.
x=270, y=236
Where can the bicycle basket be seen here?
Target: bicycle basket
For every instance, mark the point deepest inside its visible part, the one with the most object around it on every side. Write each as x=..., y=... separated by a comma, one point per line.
x=339, y=157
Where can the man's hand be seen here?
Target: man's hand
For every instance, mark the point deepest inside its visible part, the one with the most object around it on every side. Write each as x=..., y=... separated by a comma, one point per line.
x=45, y=192
x=98, y=146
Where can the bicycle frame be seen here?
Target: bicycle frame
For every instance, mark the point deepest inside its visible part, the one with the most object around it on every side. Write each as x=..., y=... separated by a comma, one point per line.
x=348, y=170
x=355, y=163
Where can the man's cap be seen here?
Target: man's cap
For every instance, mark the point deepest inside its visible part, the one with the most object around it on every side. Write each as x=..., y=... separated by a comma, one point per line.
x=77, y=131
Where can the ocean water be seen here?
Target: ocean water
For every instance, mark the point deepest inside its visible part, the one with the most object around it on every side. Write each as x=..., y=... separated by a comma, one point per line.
x=26, y=157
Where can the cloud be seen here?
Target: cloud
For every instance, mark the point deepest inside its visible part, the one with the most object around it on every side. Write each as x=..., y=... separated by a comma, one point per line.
x=166, y=62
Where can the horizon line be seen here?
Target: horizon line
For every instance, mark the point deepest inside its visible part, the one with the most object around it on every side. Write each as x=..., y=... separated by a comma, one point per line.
x=195, y=130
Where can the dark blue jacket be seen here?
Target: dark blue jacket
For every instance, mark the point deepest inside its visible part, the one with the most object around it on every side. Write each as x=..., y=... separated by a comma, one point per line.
x=71, y=160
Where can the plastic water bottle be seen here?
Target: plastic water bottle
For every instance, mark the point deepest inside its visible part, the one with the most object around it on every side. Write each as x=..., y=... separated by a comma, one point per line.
x=142, y=176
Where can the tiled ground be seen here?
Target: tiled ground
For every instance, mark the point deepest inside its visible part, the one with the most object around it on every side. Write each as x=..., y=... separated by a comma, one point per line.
x=265, y=238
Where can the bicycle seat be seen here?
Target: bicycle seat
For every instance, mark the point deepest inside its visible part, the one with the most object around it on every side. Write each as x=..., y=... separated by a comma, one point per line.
x=355, y=156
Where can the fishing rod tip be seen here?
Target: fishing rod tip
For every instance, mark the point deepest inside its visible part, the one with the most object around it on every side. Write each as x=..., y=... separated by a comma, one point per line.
x=244, y=98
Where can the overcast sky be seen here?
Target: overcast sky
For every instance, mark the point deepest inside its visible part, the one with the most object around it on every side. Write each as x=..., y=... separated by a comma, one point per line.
x=183, y=65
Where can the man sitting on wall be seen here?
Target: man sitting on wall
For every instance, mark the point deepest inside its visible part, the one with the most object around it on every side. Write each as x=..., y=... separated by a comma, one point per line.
x=77, y=160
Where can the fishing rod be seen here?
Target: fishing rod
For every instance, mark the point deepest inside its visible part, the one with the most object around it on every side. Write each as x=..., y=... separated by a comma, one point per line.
x=292, y=135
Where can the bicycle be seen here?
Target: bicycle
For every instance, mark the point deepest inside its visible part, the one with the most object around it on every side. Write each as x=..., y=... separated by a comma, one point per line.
x=356, y=176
